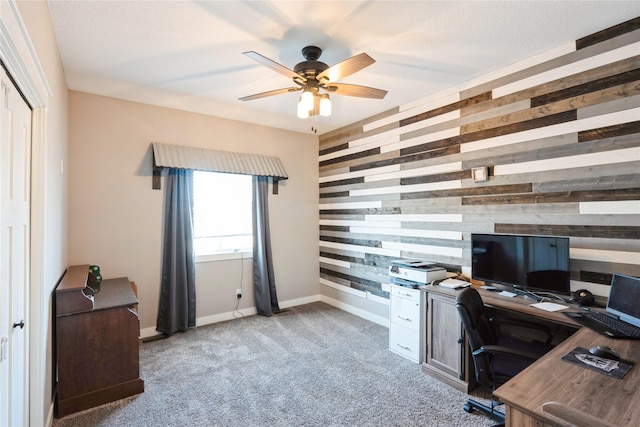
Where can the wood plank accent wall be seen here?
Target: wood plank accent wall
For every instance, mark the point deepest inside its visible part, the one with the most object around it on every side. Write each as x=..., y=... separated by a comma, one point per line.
x=560, y=136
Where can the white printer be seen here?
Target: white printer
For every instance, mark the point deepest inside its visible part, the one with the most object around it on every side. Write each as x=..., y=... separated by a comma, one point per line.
x=412, y=273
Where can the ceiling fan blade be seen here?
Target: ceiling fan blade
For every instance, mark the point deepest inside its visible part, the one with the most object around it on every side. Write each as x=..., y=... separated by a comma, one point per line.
x=270, y=93
x=355, y=90
x=346, y=68
x=275, y=66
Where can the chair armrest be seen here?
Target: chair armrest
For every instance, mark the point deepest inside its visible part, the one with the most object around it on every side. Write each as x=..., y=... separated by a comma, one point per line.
x=507, y=351
x=528, y=325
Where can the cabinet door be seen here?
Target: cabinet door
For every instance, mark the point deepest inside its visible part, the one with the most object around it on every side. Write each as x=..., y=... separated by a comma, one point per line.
x=445, y=337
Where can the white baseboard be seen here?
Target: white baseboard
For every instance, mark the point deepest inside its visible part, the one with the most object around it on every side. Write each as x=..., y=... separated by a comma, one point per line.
x=300, y=301
x=49, y=421
x=215, y=318
x=383, y=321
x=222, y=317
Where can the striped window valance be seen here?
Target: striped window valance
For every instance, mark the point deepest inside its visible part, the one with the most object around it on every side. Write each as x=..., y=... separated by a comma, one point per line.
x=203, y=159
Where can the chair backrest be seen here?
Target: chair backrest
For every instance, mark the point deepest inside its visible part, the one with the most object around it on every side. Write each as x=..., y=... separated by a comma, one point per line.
x=479, y=332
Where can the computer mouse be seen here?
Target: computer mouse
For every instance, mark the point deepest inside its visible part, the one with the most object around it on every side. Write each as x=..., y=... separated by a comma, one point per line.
x=604, y=352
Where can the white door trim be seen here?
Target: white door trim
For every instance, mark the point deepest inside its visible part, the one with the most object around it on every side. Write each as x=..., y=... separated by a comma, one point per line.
x=19, y=57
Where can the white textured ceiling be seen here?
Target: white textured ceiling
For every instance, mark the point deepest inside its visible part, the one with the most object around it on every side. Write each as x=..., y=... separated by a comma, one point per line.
x=188, y=54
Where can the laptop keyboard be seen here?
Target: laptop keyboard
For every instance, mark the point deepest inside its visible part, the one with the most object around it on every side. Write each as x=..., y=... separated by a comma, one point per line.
x=614, y=324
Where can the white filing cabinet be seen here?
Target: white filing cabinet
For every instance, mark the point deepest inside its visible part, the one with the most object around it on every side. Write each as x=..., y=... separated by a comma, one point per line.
x=406, y=320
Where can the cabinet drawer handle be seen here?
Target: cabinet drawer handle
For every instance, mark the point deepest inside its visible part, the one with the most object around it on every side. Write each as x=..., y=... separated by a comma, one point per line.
x=405, y=294
x=405, y=318
x=403, y=347
x=459, y=340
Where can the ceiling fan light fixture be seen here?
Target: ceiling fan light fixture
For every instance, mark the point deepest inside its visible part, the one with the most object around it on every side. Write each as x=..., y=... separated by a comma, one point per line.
x=307, y=99
x=325, y=105
x=303, y=112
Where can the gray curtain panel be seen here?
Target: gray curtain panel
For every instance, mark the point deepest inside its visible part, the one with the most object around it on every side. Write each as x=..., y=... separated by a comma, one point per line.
x=177, y=308
x=264, y=284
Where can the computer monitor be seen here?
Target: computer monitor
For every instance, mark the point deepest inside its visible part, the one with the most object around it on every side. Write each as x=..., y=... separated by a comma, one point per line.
x=531, y=263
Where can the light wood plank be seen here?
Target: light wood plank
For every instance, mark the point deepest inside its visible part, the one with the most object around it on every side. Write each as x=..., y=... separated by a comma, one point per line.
x=627, y=207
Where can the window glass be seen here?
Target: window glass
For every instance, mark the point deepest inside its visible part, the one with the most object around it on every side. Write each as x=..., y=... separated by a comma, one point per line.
x=222, y=213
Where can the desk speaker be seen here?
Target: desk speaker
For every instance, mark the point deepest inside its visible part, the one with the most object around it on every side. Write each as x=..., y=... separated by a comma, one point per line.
x=583, y=297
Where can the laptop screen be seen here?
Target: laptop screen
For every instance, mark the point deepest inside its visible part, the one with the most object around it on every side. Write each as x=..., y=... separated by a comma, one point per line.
x=624, y=298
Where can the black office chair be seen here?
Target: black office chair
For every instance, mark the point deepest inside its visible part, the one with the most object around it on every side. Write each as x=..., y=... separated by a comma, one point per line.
x=497, y=358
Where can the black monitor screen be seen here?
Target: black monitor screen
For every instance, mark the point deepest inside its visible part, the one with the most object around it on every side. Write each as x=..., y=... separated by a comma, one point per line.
x=533, y=263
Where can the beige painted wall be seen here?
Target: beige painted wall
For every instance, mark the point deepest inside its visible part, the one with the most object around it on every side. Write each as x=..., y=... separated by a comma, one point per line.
x=115, y=218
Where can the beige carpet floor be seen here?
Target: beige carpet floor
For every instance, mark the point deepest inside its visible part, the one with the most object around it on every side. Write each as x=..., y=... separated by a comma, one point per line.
x=313, y=365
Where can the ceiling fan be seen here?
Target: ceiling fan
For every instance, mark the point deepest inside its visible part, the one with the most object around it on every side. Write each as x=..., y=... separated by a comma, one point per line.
x=317, y=80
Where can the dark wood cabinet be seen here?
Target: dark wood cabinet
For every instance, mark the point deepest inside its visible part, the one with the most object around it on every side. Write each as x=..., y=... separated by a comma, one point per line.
x=97, y=347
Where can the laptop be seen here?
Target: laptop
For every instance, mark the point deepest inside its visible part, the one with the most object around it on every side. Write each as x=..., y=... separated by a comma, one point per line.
x=621, y=318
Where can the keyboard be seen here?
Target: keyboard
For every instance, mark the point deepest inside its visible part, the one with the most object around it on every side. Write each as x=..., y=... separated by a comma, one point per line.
x=606, y=325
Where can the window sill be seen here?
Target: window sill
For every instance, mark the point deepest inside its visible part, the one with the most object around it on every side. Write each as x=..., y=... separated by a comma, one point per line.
x=223, y=256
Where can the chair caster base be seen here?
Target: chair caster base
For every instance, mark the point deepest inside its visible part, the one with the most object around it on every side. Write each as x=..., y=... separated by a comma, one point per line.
x=472, y=405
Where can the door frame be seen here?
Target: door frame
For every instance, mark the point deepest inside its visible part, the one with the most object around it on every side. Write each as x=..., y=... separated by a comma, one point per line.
x=19, y=57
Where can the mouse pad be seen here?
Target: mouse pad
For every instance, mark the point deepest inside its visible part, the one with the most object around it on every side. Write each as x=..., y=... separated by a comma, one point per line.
x=581, y=357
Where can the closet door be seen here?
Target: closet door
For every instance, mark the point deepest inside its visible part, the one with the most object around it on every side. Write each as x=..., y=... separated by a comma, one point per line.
x=15, y=196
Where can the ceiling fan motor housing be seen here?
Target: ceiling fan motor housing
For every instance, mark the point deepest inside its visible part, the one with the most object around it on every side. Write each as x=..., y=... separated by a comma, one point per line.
x=311, y=67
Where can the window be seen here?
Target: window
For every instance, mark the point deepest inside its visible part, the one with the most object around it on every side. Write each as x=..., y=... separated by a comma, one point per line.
x=222, y=213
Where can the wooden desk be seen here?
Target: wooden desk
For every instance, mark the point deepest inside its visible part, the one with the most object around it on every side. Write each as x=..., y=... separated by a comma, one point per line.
x=522, y=305
x=582, y=397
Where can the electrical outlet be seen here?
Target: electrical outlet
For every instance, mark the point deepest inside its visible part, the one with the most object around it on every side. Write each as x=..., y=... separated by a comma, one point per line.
x=238, y=293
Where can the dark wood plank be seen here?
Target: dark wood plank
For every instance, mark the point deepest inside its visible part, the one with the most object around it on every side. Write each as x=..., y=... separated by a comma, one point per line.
x=356, y=242
x=408, y=159
x=340, y=167
x=334, y=149
x=484, y=191
x=592, y=86
x=344, y=228
x=340, y=257
x=560, y=197
x=349, y=181
x=603, y=267
x=431, y=145
x=595, y=277
x=351, y=278
x=336, y=194
x=609, y=131
x=608, y=33
x=540, y=122
x=367, y=211
x=608, y=232
x=450, y=176
x=352, y=156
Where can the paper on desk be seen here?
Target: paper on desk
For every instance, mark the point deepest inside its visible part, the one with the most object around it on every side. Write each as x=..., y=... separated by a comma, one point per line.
x=549, y=306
